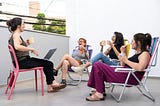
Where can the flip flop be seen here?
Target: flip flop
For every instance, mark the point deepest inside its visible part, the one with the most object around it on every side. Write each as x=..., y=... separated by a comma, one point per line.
x=94, y=98
x=58, y=87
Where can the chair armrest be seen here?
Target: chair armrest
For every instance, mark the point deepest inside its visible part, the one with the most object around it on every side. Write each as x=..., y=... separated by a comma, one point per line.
x=84, y=61
x=124, y=70
x=117, y=66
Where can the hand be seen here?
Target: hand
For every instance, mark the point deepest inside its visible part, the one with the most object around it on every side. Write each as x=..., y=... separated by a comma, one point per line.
x=122, y=57
x=81, y=47
x=110, y=43
x=27, y=42
x=103, y=43
x=123, y=49
x=34, y=51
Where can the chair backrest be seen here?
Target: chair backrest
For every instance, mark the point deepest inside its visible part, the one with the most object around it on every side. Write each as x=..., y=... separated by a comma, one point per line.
x=154, y=51
x=13, y=57
x=89, y=49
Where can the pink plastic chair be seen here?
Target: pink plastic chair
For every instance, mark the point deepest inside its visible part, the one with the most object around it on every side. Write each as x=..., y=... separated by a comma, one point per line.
x=15, y=72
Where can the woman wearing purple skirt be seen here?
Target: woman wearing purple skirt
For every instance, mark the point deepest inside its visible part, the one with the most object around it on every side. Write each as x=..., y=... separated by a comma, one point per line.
x=101, y=72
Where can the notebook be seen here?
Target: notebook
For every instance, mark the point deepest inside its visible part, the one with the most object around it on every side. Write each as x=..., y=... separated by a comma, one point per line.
x=49, y=54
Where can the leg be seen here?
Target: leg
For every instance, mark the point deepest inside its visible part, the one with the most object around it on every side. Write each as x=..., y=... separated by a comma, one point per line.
x=69, y=58
x=95, y=79
x=47, y=68
x=65, y=69
x=105, y=59
x=35, y=62
x=102, y=72
x=97, y=57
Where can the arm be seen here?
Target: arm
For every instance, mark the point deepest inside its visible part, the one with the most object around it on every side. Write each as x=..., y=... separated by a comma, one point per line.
x=107, y=51
x=114, y=48
x=87, y=54
x=19, y=47
x=102, y=44
x=143, y=61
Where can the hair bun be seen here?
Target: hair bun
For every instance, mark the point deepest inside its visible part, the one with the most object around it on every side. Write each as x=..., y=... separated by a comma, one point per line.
x=8, y=23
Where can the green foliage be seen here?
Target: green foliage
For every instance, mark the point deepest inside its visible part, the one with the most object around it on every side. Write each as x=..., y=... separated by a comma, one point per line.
x=56, y=26
x=41, y=18
x=39, y=27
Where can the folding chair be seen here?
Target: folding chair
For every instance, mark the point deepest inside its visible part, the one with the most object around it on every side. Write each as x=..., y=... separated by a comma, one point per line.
x=71, y=73
x=141, y=83
x=15, y=72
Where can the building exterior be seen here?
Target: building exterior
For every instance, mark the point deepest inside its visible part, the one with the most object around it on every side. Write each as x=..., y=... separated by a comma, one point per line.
x=32, y=8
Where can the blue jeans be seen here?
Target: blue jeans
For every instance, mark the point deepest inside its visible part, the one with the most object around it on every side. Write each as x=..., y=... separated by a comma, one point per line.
x=105, y=59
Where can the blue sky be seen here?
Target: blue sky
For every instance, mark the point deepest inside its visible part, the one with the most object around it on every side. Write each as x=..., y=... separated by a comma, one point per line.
x=49, y=7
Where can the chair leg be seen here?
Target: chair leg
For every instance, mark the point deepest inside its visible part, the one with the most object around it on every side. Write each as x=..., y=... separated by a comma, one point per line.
x=87, y=71
x=78, y=81
x=10, y=82
x=36, y=80
x=146, y=92
x=42, y=83
x=118, y=99
x=13, y=85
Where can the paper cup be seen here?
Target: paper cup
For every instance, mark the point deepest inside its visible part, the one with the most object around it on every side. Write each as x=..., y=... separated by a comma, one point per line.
x=31, y=40
x=103, y=42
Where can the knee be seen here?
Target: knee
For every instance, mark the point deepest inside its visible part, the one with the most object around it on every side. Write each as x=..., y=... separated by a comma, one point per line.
x=97, y=63
x=66, y=55
x=65, y=63
x=100, y=53
x=50, y=64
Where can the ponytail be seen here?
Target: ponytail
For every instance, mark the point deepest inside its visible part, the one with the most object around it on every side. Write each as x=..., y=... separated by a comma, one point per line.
x=148, y=39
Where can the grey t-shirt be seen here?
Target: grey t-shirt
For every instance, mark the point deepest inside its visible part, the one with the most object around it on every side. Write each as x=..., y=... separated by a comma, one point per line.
x=77, y=55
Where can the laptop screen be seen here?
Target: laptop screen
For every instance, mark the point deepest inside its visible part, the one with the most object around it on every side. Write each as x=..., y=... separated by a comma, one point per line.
x=49, y=54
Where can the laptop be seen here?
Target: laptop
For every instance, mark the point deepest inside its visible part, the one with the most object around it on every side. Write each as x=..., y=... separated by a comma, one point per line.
x=49, y=54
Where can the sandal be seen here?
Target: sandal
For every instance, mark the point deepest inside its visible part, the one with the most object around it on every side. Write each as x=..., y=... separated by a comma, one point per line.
x=94, y=98
x=59, y=86
x=93, y=92
x=55, y=72
x=52, y=90
x=63, y=82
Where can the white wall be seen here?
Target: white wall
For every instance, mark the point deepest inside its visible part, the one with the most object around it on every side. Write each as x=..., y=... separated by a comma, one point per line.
x=98, y=19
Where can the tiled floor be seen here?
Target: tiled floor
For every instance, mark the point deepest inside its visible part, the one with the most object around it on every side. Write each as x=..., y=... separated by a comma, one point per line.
x=24, y=95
